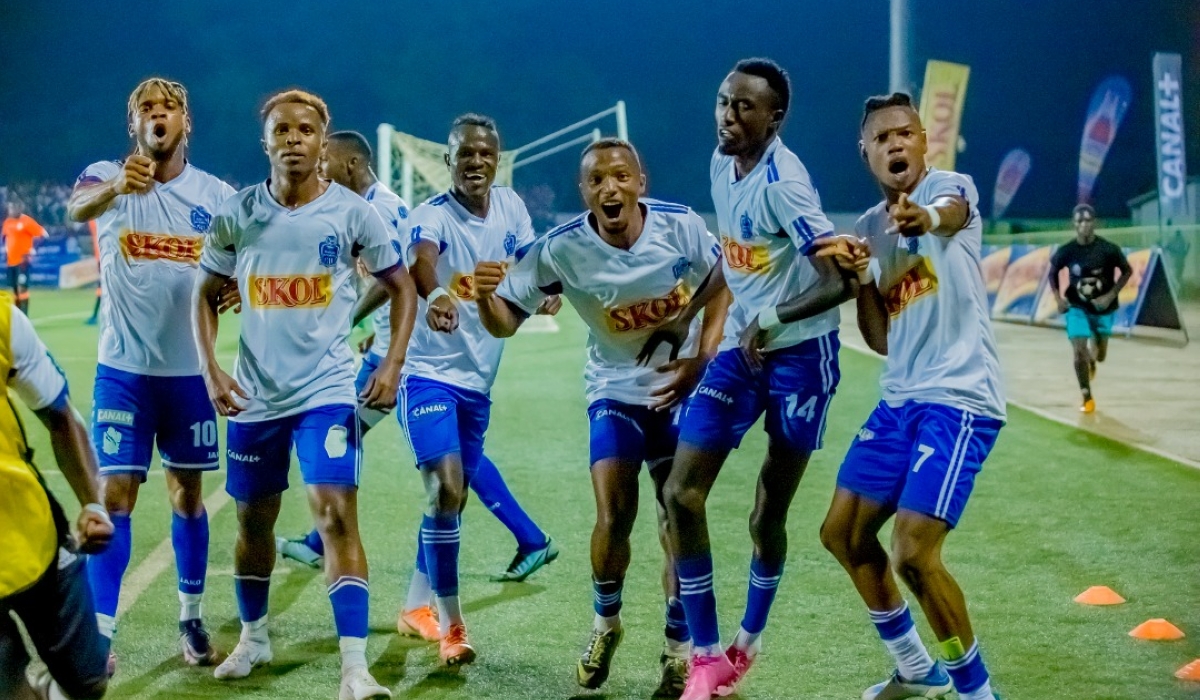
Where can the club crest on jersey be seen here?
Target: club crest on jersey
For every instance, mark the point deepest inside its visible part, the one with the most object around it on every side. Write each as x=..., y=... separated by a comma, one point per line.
x=510, y=243
x=201, y=219
x=328, y=251
x=747, y=227
x=681, y=267
x=649, y=313
x=918, y=281
x=402, y=211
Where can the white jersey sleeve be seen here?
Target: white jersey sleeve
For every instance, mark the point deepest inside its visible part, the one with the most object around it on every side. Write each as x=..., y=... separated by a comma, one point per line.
x=395, y=213
x=531, y=280
x=35, y=376
x=97, y=173
x=220, y=247
x=375, y=245
x=796, y=210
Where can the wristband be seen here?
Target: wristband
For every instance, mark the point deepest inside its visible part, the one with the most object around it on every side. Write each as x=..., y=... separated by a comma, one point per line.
x=866, y=276
x=768, y=318
x=436, y=294
x=100, y=510
x=934, y=217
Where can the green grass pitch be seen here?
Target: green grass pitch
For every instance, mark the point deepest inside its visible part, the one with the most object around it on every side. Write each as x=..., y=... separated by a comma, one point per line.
x=1055, y=511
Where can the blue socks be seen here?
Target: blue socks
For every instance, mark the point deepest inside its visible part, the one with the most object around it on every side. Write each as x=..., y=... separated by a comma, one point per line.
x=764, y=581
x=440, y=540
x=313, y=541
x=676, y=628
x=190, y=539
x=349, y=596
x=251, y=592
x=105, y=571
x=606, y=598
x=494, y=495
x=970, y=676
x=698, y=598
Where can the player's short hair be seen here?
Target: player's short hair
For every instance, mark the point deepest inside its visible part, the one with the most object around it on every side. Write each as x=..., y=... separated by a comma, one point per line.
x=170, y=88
x=302, y=97
x=356, y=142
x=1084, y=207
x=612, y=142
x=776, y=77
x=475, y=119
x=878, y=102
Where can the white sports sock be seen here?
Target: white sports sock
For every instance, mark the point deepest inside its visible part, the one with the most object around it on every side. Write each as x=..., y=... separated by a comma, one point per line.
x=678, y=650
x=107, y=625
x=747, y=642
x=256, y=631
x=449, y=612
x=912, y=658
x=189, y=606
x=419, y=592
x=604, y=624
x=711, y=650
x=354, y=652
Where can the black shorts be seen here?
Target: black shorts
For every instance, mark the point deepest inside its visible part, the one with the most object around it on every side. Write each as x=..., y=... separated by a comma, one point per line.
x=18, y=277
x=57, y=612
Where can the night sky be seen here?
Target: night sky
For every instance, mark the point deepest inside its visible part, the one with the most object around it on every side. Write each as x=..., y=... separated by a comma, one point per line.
x=67, y=67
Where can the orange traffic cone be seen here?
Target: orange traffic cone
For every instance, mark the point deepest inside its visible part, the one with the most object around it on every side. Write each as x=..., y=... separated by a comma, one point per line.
x=1157, y=630
x=1190, y=672
x=1099, y=595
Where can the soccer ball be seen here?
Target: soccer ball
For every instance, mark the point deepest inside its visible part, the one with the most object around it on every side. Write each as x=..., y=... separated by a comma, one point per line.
x=1088, y=288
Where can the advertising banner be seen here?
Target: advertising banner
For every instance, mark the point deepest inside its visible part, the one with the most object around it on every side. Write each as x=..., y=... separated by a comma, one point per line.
x=1105, y=112
x=941, y=110
x=1013, y=170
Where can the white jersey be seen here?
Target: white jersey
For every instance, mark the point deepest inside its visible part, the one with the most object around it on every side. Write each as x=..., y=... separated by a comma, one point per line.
x=394, y=212
x=768, y=220
x=34, y=375
x=296, y=274
x=149, y=249
x=940, y=344
x=470, y=356
x=622, y=295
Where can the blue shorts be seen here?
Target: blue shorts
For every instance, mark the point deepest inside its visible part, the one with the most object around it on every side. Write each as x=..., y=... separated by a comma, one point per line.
x=921, y=457
x=1084, y=324
x=633, y=433
x=131, y=412
x=259, y=454
x=369, y=416
x=442, y=419
x=793, y=388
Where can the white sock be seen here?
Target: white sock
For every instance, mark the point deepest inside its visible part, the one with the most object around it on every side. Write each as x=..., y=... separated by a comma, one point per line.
x=678, y=650
x=256, y=631
x=419, y=592
x=712, y=650
x=56, y=692
x=189, y=606
x=912, y=658
x=983, y=692
x=449, y=612
x=354, y=652
x=748, y=642
x=107, y=625
x=604, y=624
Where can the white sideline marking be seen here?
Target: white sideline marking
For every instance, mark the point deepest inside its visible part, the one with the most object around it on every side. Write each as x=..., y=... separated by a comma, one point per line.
x=60, y=317
x=855, y=346
x=137, y=581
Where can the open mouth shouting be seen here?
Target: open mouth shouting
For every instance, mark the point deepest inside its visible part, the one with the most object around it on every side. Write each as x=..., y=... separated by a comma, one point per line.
x=612, y=210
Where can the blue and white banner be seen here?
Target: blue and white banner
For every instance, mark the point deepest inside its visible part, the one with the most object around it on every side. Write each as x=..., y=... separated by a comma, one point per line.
x=1168, y=122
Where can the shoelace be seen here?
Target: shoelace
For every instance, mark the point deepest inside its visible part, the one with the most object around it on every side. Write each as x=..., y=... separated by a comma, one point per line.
x=596, y=646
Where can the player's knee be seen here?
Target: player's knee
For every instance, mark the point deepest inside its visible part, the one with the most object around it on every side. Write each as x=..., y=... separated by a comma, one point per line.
x=120, y=494
x=615, y=521
x=914, y=563
x=683, y=500
x=188, y=502
x=836, y=541
x=446, y=499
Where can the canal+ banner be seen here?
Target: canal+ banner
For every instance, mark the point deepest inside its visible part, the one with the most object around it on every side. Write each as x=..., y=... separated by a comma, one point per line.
x=1168, y=121
x=942, y=99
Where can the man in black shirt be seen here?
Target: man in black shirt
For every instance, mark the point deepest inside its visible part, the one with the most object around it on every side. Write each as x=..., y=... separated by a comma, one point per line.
x=1090, y=299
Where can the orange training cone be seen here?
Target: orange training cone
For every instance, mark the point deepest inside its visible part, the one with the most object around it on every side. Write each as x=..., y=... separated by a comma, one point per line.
x=1191, y=672
x=1099, y=595
x=1156, y=630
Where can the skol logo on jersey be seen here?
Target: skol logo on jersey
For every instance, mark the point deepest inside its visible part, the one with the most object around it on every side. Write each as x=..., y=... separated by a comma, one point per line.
x=462, y=286
x=290, y=291
x=649, y=312
x=161, y=246
x=912, y=285
x=328, y=250
x=745, y=258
